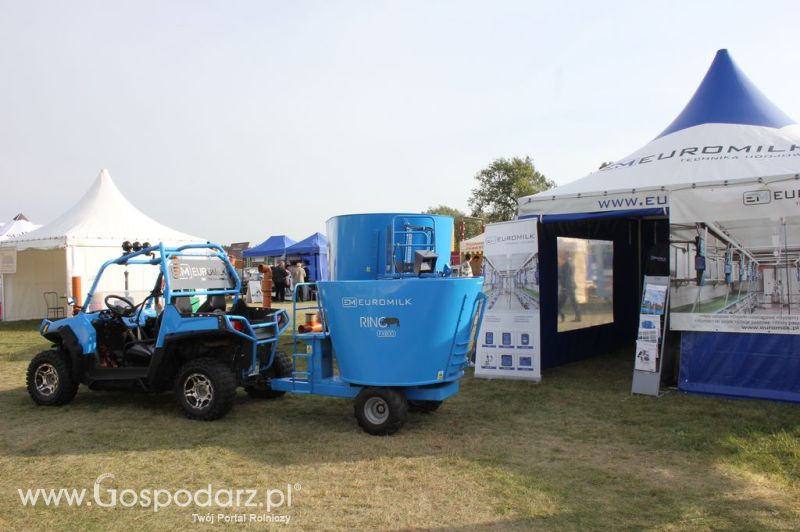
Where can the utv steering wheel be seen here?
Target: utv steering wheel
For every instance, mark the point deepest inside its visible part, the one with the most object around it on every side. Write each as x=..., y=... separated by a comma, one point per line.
x=123, y=307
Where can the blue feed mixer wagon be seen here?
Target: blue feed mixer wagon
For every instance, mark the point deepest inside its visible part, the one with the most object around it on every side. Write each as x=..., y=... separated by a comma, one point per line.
x=395, y=330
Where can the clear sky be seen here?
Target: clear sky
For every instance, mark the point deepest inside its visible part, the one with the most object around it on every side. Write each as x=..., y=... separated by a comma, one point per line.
x=234, y=120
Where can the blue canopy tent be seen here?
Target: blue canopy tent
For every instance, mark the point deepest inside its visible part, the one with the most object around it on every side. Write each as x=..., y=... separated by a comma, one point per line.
x=314, y=250
x=274, y=246
x=712, y=185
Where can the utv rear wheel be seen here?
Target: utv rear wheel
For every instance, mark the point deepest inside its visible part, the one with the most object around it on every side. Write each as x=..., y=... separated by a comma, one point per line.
x=281, y=367
x=381, y=411
x=424, y=407
x=49, y=381
x=205, y=389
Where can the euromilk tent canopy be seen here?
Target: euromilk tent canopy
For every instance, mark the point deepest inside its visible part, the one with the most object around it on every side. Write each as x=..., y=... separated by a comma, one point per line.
x=274, y=246
x=727, y=166
x=728, y=133
x=314, y=250
x=77, y=243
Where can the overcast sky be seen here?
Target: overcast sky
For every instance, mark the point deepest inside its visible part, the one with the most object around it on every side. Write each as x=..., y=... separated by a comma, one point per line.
x=234, y=120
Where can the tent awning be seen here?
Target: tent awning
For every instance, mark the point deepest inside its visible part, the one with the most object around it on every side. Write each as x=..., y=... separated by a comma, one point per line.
x=316, y=243
x=472, y=245
x=274, y=246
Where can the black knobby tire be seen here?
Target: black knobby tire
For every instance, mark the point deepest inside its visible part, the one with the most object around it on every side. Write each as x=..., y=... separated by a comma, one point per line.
x=424, y=407
x=205, y=389
x=49, y=380
x=381, y=411
x=281, y=367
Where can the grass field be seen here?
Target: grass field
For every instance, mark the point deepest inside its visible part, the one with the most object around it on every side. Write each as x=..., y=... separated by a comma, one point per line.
x=574, y=452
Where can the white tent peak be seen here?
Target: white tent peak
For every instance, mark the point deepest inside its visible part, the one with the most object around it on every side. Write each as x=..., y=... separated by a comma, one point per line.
x=103, y=216
x=17, y=227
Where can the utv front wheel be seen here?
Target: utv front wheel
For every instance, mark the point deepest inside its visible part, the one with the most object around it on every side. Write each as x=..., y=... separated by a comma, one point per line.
x=205, y=389
x=381, y=411
x=49, y=381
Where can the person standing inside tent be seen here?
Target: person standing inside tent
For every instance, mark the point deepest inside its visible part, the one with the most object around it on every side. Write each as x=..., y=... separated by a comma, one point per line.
x=306, y=279
x=567, y=286
x=279, y=278
x=477, y=264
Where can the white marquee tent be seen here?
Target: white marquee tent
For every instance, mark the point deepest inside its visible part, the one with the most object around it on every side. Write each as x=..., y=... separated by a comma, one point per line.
x=77, y=243
x=17, y=227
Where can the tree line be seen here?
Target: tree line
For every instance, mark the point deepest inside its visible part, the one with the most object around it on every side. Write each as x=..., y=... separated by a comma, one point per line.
x=494, y=198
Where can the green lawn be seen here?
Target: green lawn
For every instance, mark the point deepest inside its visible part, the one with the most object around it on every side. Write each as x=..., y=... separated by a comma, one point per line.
x=574, y=452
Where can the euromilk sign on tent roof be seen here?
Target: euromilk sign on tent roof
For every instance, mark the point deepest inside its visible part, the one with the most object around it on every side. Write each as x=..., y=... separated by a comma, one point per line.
x=728, y=133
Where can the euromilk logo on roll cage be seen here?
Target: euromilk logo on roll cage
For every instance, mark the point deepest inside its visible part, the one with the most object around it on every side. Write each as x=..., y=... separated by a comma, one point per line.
x=658, y=200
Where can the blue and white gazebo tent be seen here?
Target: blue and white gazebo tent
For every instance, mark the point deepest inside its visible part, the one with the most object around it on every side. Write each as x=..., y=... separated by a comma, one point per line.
x=727, y=169
x=314, y=250
x=274, y=246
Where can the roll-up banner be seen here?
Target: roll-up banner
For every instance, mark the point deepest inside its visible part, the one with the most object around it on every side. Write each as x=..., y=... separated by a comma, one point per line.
x=508, y=343
x=735, y=259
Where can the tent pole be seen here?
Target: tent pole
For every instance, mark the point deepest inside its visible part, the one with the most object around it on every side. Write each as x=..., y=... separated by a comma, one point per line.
x=68, y=251
x=639, y=253
x=788, y=277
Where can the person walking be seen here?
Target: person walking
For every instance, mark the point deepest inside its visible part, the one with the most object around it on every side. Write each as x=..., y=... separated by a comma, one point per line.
x=567, y=287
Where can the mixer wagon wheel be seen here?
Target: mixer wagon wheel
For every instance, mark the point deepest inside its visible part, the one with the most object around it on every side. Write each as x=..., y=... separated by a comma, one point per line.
x=381, y=411
x=424, y=407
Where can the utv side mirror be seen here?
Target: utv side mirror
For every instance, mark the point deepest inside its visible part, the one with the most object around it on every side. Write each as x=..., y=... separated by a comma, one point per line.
x=71, y=301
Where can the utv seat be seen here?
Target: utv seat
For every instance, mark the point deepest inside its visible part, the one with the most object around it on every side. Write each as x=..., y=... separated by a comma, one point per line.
x=183, y=304
x=139, y=353
x=212, y=304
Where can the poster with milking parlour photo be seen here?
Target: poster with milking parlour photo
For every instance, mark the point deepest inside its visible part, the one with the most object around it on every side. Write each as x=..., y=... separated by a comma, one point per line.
x=735, y=259
x=508, y=341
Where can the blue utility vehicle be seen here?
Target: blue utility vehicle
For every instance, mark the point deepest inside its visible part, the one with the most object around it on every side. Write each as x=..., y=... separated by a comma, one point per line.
x=179, y=335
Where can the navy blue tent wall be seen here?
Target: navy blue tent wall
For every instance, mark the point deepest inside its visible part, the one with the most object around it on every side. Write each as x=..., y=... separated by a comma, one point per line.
x=631, y=237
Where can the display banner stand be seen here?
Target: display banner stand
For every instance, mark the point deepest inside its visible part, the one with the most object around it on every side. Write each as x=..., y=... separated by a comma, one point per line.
x=508, y=344
x=651, y=337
